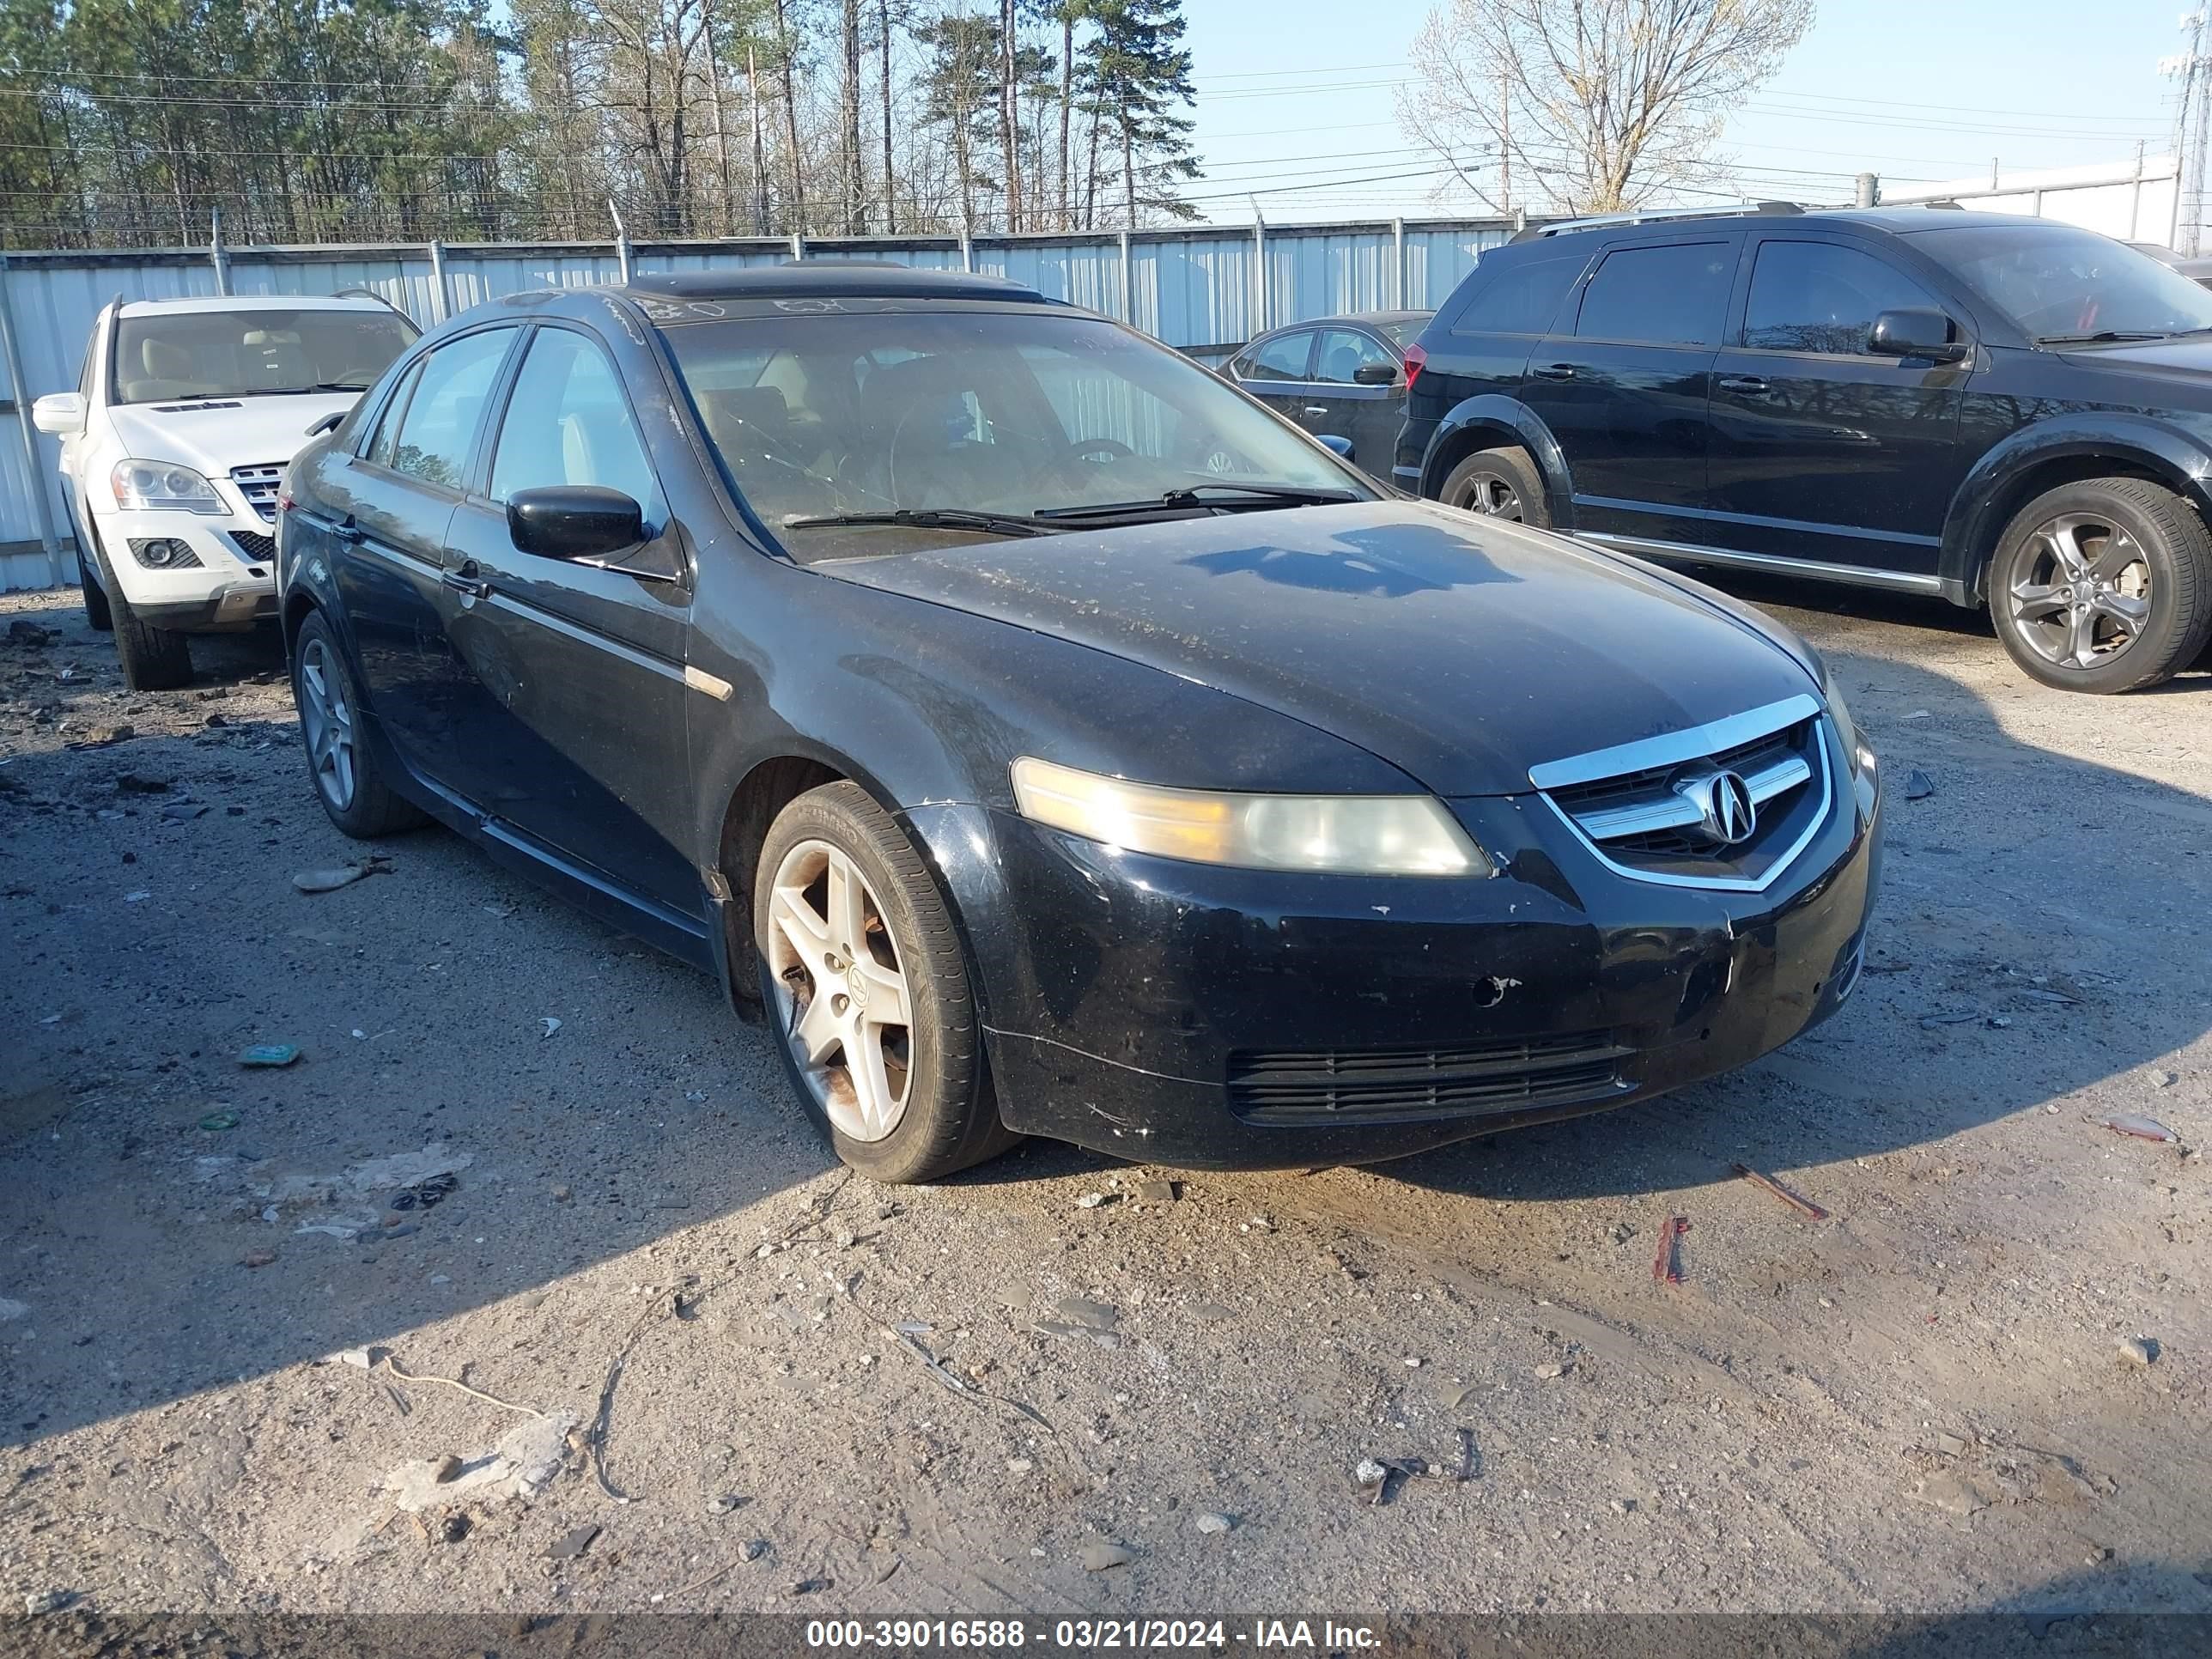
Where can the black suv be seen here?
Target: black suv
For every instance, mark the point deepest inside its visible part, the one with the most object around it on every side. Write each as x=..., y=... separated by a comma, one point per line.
x=1991, y=409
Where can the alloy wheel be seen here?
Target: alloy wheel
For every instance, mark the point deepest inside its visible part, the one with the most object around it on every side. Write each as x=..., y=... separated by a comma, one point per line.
x=326, y=721
x=2081, y=590
x=845, y=1009
x=1493, y=496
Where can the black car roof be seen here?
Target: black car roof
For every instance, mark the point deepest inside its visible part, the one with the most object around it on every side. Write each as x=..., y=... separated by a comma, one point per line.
x=828, y=279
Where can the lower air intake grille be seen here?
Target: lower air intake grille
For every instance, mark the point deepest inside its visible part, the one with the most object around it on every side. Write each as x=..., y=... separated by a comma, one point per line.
x=257, y=547
x=1338, y=1085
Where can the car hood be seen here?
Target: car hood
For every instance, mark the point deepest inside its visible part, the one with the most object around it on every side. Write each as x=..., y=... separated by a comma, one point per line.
x=214, y=435
x=1463, y=650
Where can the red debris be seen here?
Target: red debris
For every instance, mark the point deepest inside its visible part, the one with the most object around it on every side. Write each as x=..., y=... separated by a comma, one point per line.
x=1667, y=1268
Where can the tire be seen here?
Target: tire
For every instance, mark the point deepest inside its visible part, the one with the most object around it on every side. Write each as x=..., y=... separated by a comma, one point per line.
x=347, y=776
x=154, y=658
x=1499, y=483
x=2144, y=559
x=930, y=1111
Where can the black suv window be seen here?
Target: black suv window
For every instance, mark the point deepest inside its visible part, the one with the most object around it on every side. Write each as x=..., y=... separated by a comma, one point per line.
x=1816, y=296
x=1673, y=295
x=1524, y=298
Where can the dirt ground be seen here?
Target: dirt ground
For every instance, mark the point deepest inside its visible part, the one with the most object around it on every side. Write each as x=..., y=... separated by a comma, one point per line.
x=807, y=1392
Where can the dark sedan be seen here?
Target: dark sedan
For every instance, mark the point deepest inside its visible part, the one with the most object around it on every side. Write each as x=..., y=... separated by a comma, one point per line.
x=1338, y=377
x=1044, y=737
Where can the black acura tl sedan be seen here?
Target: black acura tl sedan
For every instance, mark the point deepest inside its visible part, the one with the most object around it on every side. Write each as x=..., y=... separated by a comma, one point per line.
x=1043, y=737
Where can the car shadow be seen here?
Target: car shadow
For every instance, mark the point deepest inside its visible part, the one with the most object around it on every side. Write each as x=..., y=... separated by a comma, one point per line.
x=648, y=1114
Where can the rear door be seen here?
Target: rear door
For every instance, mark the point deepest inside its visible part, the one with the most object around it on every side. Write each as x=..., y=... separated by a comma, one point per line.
x=568, y=715
x=1277, y=370
x=388, y=507
x=1368, y=414
x=1622, y=382
x=1819, y=450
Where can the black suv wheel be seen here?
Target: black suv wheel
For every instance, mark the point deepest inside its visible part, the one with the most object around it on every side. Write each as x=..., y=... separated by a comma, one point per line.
x=2103, y=585
x=1499, y=483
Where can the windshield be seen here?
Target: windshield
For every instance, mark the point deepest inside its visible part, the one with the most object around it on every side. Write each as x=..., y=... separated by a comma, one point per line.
x=261, y=352
x=1015, y=413
x=2058, y=281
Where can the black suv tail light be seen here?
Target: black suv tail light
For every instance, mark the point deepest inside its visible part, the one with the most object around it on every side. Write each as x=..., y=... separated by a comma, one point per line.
x=1416, y=360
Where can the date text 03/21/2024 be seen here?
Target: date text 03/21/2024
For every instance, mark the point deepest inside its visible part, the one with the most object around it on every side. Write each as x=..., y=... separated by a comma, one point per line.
x=987, y=1635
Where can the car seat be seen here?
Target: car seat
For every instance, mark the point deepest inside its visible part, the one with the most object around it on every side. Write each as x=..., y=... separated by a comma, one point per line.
x=168, y=373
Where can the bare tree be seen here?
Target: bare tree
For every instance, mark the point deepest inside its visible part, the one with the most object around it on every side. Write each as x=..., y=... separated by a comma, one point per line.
x=1599, y=104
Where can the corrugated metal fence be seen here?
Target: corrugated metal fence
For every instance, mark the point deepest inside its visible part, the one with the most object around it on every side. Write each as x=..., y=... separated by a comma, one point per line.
x=1199, y=288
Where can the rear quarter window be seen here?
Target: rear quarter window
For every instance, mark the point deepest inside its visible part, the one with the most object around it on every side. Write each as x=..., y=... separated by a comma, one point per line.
x=1522, y=296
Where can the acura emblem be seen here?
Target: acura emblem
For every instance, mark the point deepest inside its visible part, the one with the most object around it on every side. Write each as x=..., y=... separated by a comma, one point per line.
x=1725, y=810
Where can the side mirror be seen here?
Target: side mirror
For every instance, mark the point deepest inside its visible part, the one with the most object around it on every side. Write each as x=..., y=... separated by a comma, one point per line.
x=579, y=522
x=1917, y=332
x=1336, y=443
x=1374, y=375
x=59, y=413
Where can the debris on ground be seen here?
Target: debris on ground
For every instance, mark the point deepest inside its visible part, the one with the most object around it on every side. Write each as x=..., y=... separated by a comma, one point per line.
x=362, y=1359
x=37, y=1602
x=1667, y=1266
x=2138, y=1350
x=257, y=1258
x=520, y=1467
x=1804, y=1206
x=343, y=875
x=1952, y=1493
x=1077, y=1317
x=1090, y=1201
x=216, y=1121
x=1371, y=1478
x=105, y=737
x=24, y=632
x=570, y=1546
x=1157, y=1192
x=269, y=1054
x=1212, y=1522
x=1557, y=1368
x=724, y=1505
x=2143, y=1129
x=1104, y=1557
x=426, y=1194
x=447, y=1469
x=1918, y=786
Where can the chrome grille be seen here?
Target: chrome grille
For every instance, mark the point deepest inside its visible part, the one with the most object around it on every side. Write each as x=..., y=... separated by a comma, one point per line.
x=258, y=485
x=1648, y=808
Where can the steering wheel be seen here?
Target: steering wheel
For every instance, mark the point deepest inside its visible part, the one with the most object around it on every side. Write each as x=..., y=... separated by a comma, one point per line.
x=1113, y=448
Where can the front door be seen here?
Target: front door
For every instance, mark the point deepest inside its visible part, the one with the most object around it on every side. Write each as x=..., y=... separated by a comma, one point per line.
x=1820, y=451
x=569, y=681
x=1622, y=383
x=390, y=506
x=1367, y=412
x=1277, y=370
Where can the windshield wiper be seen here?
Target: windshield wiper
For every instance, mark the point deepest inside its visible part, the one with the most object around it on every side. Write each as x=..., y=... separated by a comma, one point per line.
x=341, y=385
x=929, y=517
x=2102, y=336
x=1201, y=495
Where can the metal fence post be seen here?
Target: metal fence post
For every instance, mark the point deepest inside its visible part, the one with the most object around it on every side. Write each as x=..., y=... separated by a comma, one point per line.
x=1865, y=189
x=622, y=242
x=218, y=255
x=1398, y=264
x=34, y=466
x=1259, y=271
x=967, y=250
x=441, y=300
x=798, y=245
x=1128, y=284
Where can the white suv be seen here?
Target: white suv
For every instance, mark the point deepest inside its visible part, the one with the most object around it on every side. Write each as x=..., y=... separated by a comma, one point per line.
x=173, y=446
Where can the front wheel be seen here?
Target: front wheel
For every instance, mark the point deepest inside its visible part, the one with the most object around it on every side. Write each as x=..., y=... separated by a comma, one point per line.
x=863, y=978
x=96, y=609
x=2103, y=585
x=154, y=658
x=1499, y=483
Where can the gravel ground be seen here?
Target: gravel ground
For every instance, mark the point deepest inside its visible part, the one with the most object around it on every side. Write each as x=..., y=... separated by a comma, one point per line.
x=808, y=1392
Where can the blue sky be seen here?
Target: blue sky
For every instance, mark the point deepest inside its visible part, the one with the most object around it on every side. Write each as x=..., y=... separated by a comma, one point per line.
x=1293, y=92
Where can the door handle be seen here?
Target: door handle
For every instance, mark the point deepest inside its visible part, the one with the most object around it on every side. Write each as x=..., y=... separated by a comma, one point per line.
x=468, y=581
x=1554, y=372
x=1315, y=408
x=346, y=531
x=1750, y=385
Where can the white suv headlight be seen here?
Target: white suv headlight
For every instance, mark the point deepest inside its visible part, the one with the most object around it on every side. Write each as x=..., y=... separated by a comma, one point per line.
x=162, y=487
x=1340, y=835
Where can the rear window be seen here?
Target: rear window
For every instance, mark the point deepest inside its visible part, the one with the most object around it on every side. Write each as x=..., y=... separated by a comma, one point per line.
x=1675, y=293
x=1524, y=297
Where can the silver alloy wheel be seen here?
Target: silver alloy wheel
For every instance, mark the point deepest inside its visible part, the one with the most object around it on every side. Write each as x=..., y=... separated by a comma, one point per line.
x=2083, y=593
x=841, y=990
x=326, y=721
x=1493, y=496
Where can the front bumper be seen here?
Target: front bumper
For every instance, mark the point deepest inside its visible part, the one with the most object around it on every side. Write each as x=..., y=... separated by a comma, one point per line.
x=232, y=587
x=1208, y=1017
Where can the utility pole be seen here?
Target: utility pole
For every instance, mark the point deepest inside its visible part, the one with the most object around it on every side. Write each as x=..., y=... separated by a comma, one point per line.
x=2195, y=73
x=1504, y=140
x=760, y=148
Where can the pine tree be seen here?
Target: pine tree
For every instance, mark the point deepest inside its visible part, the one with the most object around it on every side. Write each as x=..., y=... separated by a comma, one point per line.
x=1135, y=80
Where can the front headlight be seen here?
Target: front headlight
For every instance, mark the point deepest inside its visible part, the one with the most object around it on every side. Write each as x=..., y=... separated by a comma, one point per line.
x=159, y=485
x=1855, y=750
x=1335, y=835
